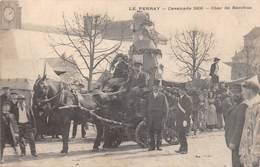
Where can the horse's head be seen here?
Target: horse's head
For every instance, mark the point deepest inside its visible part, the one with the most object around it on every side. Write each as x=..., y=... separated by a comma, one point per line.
x=41, y=86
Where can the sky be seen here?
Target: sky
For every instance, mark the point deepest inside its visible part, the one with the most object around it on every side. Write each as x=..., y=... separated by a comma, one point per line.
x=229, y=26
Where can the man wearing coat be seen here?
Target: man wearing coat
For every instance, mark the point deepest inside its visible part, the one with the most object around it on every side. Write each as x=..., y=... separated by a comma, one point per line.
x=249, y=149
x=136, y=88
x=8, y=126
x=26, y=122
x=157, y=109
x=234, y=130
x=183, y=118
x=214, y=68
x=138, y=78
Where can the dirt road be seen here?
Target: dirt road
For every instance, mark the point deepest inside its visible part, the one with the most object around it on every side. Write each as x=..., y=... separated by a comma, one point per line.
x=205, y=150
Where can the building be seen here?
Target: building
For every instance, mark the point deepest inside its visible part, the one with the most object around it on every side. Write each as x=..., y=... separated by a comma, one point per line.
x=245, y=62
x=24, y=50
x=10, y=14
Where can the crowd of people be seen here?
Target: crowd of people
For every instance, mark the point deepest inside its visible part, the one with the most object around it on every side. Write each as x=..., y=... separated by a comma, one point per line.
x=236, y=109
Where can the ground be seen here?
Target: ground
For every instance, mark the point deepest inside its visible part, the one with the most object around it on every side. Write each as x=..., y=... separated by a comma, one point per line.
x=205, y=150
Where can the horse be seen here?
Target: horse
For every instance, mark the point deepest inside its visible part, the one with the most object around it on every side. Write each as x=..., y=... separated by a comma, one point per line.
x=45, y=119
x=55, y=95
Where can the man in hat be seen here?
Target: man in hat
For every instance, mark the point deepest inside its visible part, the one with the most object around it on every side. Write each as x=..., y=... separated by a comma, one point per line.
x=156, y=112
x=8, y=126
x=136, y=86
x=14, y=109
x=26, y=122
x=233, y=129
x=75, y=89
x=214, y=69
x=249, y=148
x=138, y=78
x=183, y=117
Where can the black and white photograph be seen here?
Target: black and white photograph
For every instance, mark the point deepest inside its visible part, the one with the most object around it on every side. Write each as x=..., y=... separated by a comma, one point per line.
x=130, y=83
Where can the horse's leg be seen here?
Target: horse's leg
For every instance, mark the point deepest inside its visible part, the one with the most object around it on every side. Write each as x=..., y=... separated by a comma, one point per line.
x=107, y=137
x=65, y=134
x=98, y=139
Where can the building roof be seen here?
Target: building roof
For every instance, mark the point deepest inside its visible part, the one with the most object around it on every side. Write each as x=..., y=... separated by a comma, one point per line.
x=118, y=30
x=232, y=64
x=60, y=65
x=254, y=33
x=22, y=73
x=19, y=64
x=25, y=69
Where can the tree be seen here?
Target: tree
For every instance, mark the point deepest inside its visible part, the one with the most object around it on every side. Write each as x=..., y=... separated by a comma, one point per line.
x=191, y=48
x=85, y=36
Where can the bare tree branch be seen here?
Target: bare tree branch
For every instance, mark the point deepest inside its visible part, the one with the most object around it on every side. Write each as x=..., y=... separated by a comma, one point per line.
x=191, y=48
x=85, y=35
x=62, y=56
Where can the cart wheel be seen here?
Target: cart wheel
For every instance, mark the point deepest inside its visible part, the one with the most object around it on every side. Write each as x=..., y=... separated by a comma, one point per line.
x=141, y=135
x=113, y=139
x=171, y=137
x=116, y=141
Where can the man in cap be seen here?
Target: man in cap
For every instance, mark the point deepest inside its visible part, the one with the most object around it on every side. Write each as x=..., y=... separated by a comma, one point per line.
x=138, y=78
x=26, y=122
x=136, y=87
x=76, y=87
x=156, y=112
x=249, y=148
x=8, y=125
x=183, y=117
x=214, y=69
x=14, y=109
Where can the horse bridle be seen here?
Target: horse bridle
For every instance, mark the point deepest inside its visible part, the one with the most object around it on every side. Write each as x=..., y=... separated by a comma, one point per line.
x=52, y=98
x=48, y=100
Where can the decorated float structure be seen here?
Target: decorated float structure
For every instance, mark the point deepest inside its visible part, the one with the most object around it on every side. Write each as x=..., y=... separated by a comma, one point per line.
x=144, y=48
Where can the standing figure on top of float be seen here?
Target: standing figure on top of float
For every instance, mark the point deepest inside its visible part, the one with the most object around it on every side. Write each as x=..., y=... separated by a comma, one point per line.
x=214, y=69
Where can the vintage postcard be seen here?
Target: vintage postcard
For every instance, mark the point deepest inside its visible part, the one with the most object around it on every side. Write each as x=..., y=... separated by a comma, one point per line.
x=122, y=83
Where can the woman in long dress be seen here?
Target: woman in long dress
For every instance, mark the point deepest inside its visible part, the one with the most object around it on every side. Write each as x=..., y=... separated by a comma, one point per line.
x=211, y=113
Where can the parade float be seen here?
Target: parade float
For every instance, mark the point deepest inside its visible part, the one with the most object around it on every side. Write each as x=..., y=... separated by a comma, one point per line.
x=144, y=50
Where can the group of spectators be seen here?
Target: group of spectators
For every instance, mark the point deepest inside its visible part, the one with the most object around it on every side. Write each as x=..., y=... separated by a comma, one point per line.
x=17, y=123
x=207, y=112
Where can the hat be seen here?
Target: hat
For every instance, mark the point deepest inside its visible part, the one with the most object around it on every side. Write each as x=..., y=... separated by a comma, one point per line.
x=235, y=88
x=161, y=66
x=21, y=97
x=138, y=64
x=182, y=86
x=216, y=59
x=14, y=93
x=122, y=55
x=156, y=83
x=251, y=85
